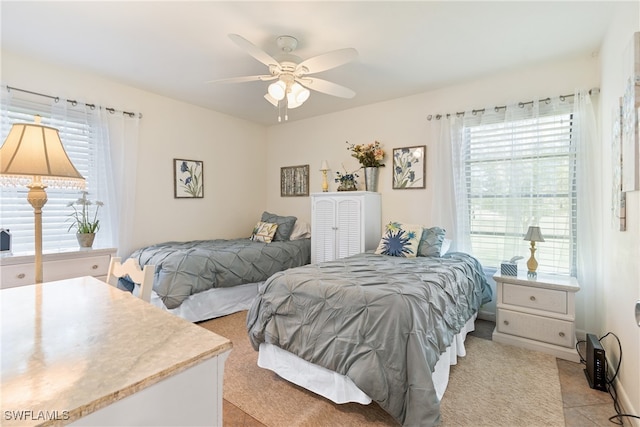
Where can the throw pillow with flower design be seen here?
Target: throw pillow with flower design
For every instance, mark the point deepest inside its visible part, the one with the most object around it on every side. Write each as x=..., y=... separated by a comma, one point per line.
x=401, y=240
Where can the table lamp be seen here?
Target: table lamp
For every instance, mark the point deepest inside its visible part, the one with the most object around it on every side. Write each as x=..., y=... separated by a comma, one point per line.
x=533, y=235
x=34, y=150
x=324, y=167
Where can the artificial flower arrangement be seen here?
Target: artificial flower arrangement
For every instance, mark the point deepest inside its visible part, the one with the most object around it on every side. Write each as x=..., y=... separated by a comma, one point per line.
x=347, y=180
x=81, y=218
x=369, y=155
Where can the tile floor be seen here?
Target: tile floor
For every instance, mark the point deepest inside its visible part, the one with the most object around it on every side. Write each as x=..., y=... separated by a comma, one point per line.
x=583, y=406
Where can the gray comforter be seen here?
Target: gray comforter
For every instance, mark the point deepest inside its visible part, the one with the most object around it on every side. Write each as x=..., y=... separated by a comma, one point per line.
x=382, y=321
x=186, y=268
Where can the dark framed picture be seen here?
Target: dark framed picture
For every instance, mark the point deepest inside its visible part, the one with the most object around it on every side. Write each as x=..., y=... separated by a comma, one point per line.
x=188, y=179
x=409, y=167
x=294, y=181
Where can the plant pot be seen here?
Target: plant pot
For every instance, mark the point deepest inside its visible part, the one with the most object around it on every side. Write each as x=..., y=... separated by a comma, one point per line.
x=371, y=178
x=85, y=240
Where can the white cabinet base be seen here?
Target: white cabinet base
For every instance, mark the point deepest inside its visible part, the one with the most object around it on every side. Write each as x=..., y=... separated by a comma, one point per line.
x=190, y=398
x=537, y=314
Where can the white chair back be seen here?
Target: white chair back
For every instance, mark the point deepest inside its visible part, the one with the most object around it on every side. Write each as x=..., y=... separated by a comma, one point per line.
x=142, y=277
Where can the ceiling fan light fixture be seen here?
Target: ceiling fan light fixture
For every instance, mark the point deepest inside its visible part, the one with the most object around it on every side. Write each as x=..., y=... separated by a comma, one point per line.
x=278, y=90
x=271, y=100
x=299, y=93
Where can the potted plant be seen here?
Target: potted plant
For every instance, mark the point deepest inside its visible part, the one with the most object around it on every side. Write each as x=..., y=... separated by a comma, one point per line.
x=370, y=157
x=85, y=222
x=347, y=180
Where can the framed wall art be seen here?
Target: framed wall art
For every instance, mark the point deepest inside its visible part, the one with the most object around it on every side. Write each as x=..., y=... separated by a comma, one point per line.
x=409, y=167
x=294, y=181
x=188, y=180
x=630, y=104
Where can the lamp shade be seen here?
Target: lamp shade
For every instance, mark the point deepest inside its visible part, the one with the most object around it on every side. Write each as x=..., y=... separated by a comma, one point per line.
x=278, y=90
x=36, y=150
x=534, y=235
x=324, y=166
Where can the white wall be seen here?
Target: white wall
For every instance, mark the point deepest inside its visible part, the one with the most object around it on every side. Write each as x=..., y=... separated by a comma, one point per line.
x=400, y=123
x=621, y=250
x=232, y=150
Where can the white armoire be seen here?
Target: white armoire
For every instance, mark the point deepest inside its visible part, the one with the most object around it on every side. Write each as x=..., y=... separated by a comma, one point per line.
x=344, y=223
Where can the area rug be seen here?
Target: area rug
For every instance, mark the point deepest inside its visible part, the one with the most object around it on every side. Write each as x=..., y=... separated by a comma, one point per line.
x=494, y=385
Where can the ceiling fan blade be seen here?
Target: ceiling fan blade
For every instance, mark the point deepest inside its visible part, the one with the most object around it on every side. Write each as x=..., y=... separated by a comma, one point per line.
x=262, y=78
x=324, y=86
x=253, y=50
x=327, y=60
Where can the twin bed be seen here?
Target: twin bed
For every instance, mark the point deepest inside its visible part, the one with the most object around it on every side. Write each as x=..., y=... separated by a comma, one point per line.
x=370, y=327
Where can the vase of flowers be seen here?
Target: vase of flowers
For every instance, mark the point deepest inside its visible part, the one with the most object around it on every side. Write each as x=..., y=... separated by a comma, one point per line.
x=347, y=180
x=370, y=157
x=84, y=220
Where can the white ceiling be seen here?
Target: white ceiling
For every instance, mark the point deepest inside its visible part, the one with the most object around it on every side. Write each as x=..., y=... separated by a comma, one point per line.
x=174, y=48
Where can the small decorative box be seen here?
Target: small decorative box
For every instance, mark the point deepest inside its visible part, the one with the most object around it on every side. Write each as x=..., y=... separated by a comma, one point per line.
x=510, y=268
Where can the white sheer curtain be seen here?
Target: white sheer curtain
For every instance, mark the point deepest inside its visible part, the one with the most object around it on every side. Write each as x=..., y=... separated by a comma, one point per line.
x=123, y=150
x=588, y=184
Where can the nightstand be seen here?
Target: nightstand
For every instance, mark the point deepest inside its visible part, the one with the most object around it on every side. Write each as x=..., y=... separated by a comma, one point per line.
x=538, y=314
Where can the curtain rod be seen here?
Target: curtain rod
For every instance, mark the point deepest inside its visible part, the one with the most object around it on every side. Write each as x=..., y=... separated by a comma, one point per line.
x=74, y=102
x=593, y=91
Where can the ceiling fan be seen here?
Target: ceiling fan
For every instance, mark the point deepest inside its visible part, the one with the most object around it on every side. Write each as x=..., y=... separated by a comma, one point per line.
x=292, y=74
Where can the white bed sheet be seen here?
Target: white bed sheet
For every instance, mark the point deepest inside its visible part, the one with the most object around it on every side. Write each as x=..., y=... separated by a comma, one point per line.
x=216, y=302
x=340, y=388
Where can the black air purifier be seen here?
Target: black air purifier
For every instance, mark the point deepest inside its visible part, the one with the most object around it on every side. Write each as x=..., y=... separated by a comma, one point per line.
x=595, y=371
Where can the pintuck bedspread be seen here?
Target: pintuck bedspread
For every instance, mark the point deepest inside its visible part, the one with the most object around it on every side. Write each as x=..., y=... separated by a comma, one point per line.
x=186, y=268
x=383, y=321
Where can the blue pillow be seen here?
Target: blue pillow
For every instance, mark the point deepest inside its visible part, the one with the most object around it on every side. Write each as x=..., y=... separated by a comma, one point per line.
x=431, y=241
x=285, y=225
x=400, y=240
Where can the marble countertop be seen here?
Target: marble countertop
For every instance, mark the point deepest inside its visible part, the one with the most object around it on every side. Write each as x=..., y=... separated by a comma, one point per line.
x=74, y=346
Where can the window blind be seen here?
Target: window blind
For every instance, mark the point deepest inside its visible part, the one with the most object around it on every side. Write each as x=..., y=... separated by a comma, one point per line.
x=16, y=214
x=521, y=172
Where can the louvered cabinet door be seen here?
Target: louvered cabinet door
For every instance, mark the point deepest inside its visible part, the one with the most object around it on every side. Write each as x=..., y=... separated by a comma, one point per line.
x=343, y=224
x=323, y=230
x=349, y=227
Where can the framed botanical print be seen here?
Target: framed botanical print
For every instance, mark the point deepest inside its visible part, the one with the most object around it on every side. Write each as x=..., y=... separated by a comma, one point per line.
x=294, y=181
x=188, y=179
x=409, y=167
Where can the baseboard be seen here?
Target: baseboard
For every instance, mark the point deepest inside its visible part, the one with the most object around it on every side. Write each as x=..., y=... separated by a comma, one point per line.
x=625, y=402
x=487, y=315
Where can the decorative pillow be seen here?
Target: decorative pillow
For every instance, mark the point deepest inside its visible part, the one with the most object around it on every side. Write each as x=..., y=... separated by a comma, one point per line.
x=400, y=240
x=285, y=224
x=431, y=241
x=301, y=230
x=446, y=244
x=264, y=232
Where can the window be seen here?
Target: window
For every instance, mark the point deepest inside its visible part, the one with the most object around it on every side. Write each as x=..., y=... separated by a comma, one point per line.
x=16, y=214
x=521, y=172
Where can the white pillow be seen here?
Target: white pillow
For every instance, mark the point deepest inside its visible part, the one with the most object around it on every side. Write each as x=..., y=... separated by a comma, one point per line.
x=446, y=244
x=301, y=230
x=400, y=240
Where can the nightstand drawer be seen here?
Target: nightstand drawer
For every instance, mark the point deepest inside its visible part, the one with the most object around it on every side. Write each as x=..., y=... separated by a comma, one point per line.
x=18, y=275
x=88, y=266
x=545, y=329
x=536, y=298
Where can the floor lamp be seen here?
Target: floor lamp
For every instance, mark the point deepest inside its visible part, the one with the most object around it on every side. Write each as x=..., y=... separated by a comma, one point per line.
x=32, y=149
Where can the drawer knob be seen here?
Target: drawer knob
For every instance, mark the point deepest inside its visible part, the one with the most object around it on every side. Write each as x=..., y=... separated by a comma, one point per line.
x=506, y=322
x=21, y=276
x=532, y=298
x=561, y=334
x=94, y=267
